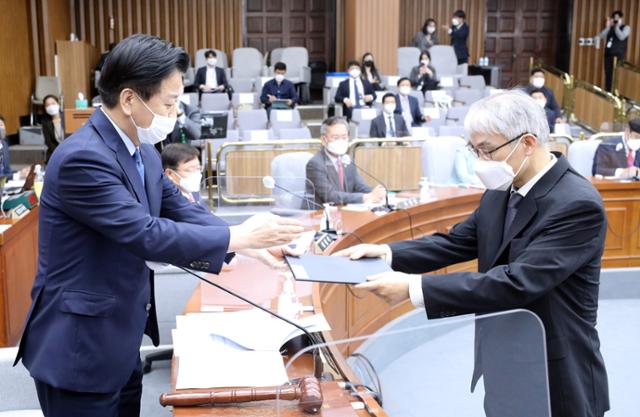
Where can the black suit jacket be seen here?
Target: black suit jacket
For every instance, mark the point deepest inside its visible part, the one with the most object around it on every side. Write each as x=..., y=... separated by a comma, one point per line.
x=459, y=42
x=549, y=264
x=324, y=182
x=379, y=127
x=611, y=154
x=344, y=92
x=414, y=105
x=201, y=77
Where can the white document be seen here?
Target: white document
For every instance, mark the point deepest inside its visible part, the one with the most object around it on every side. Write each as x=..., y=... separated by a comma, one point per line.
x=284, y=115
x=259, y=135
x=446, y=82
x=368, y=114
x=432, y=112
x=245, y=98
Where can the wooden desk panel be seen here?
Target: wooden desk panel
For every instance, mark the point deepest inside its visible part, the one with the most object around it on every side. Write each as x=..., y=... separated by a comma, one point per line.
x=18, y=265
x=399, y=167
x=75, y=118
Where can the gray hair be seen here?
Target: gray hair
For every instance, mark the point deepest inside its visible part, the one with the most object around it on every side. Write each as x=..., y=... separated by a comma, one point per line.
x=507, y=114
x=331, y=121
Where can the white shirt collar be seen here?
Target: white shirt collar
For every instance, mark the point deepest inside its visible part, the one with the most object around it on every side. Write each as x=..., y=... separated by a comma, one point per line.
x=127, y=141
x=533, y=181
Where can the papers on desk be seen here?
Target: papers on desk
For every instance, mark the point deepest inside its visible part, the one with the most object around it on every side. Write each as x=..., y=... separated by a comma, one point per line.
x=234, y=349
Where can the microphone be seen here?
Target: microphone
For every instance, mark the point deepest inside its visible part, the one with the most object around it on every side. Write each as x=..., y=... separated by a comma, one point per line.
x=346, y=160
x=270, y=183
x=317, y=360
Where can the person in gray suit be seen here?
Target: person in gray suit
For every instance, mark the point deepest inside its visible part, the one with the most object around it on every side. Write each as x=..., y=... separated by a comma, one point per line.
x=388, y=124
x=538, y=235
x=332, y=178
x=188, y=125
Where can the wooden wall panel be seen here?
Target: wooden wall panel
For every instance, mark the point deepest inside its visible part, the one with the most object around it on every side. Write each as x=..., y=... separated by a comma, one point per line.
x=17, y=74
x=413, y=13
x=587, y=63
x=372, y=26
x=191, y=24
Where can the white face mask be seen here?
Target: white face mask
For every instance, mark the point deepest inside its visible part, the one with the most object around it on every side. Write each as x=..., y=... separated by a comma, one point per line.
x=338, y=146
x=389, y=108
x=497, y=175
x=405, y=90
x=537, y=82
x=191, y=183
x=431, y=29
x=354, y=73
x=158, y=130
x=279, y=78
x=633, y=144
x=52, y=109
x=455, y=22
x=212, y=62
x=541, y=102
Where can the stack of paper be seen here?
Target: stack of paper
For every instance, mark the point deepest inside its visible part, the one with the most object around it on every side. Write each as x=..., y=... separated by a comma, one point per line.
x=234, y=349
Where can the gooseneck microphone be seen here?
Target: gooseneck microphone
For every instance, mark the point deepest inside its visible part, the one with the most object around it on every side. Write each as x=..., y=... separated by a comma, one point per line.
x=270, y=183
x=346, y=160
x=317, y=360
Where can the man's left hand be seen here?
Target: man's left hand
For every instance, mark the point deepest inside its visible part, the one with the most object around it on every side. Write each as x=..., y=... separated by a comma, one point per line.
x=392, y=286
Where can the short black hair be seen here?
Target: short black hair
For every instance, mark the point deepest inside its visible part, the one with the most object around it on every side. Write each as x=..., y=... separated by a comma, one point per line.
x=426, y=23
x=280, y=66
x=139, y=62
x=617, y=12
x=175, y=154
x=536, y=90
x=353, y=63
x=424, y=53
x=460, y=14
x=536, y=69
x=48, y=96
x=210, y=53
x=112, y=45
x=387, y=95
x=403, y=79
x=634, y=125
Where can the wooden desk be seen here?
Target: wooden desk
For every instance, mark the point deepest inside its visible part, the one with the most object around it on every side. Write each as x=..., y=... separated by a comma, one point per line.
x=75, y=118
x=18, y=265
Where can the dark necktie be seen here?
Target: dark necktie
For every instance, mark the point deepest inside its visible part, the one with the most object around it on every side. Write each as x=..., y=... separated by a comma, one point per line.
x=392, y=130
x=356, y=93
x=139, y=164
x=512, y=209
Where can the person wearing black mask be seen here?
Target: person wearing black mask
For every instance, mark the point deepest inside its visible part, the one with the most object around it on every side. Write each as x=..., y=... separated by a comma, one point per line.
x=616, y=36
x=427, y=36
x=370, y=72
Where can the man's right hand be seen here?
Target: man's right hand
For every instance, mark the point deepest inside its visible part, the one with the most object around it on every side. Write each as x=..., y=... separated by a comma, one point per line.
x=365, y=250
x=375, y=196
x=347, y=102
x=264, y=231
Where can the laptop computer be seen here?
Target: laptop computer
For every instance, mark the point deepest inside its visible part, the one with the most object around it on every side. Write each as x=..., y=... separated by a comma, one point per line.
x=214, y=125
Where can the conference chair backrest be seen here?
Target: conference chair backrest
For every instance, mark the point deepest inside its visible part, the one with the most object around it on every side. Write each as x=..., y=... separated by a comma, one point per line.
x=189, y=77
x=475, y=82
x=201, y=61
x=438, y=158
x=275, y=56
x=17, y=389
x=296, y=58
x=457, y=114
x=446, y=130
x=407, y=59
x=252, y=119
x=467, y=96
x=443, y=59
x=290, y=170
x=294, y=133
x=243, y=100
x=241, y=85
x=46, y=85
x=581, y=154
x=285, y=119
x=247, y=63
x=215, y=102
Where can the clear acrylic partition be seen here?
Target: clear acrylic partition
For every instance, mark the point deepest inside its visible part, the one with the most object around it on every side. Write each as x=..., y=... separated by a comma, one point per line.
x=243, y=196
x=490, y=365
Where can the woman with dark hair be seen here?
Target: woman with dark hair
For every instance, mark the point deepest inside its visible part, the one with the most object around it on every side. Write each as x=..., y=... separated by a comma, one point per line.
x=370, y=72
x=52, y=124
x=423, y=76
x=427, y=36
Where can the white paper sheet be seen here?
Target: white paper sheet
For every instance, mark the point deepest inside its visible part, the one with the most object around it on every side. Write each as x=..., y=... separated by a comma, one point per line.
x=284, y=115
x=245, y=98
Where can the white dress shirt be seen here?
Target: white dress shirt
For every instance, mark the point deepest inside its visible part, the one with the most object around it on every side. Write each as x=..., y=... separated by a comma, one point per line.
x=415, y=281
x=131, y=148
x=212, y=80
x=390, y=123
x=352, y=91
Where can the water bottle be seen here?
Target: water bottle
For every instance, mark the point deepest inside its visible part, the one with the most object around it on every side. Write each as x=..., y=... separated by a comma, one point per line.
x=425, y=193
x=288, y=304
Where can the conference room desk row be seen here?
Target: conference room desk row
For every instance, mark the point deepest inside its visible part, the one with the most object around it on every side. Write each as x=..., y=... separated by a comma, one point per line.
x=353, y=313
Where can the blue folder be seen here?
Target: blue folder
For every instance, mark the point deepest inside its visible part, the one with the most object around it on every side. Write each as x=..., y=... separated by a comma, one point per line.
x=335, y=269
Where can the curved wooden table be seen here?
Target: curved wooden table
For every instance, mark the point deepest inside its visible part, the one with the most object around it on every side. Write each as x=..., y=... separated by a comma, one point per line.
x=353, y=313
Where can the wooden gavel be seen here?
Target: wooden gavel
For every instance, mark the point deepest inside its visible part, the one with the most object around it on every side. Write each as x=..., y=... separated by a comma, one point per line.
x=308, y=391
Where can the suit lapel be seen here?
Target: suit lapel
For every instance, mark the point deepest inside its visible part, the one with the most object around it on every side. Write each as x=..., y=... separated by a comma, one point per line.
x=153, y=189
x=112, y=139
x=331, y=170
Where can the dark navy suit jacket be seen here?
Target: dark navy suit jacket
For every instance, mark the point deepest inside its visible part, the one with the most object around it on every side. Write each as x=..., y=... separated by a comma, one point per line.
x=283, y=91
x=5, y=167
x=92, y=298
x=414, y=106
x=459, y=42
x=344, y=91
x=610, y=155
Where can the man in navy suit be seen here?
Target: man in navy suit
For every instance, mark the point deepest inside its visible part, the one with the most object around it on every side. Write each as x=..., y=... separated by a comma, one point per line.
x=459, y=32
x=279, y=88
x=388, y=124
x=210, y=78
x=354, y=92
x=106, y=210
x=538, y=235
x=619, y=157
x=407, y=105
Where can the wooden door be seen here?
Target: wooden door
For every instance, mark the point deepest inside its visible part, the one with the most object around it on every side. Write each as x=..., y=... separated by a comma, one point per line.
x=274, y=24
x=518, y=30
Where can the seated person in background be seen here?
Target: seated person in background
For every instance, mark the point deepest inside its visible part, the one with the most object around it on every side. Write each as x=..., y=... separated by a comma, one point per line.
x=5, y=166
x=371, y=73
x=463, y=172
x=335, y=179
x=188, y=126
x=354, y=92
x=427, y=37
x=538, y=95
x=619, y=156
x=279, y=88
x=423, y=76
x=409, y=106
x=180, y=163
x=389, y=124
x=211, y=79
x=536, y=82
x=52, y=124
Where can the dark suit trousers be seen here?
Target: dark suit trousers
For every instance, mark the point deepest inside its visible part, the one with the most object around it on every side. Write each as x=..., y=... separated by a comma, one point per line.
x=608, y=70
x=57, y=402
